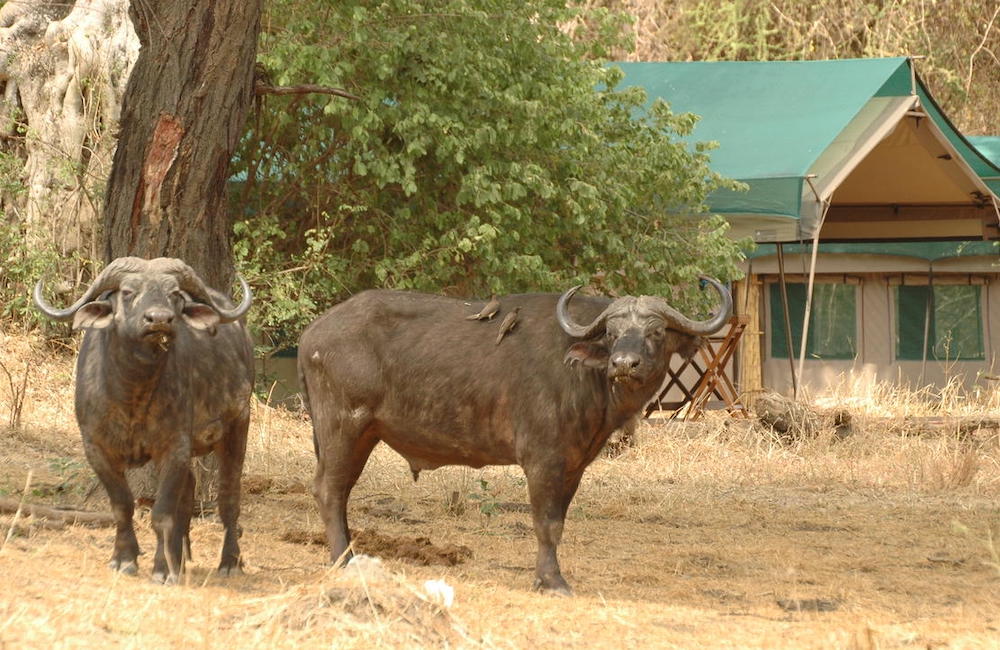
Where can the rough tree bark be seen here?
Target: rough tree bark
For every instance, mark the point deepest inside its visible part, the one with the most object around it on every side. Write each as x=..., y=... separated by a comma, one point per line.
x=182, y=117
x=63, y=71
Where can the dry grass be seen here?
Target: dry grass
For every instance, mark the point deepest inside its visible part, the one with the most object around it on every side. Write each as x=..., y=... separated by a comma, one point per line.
x=710, y=534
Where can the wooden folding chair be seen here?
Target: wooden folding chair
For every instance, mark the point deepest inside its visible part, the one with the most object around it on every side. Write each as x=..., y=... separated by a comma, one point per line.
x=715, y=354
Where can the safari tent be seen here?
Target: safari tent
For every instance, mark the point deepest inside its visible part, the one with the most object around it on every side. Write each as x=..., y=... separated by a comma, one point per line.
x=874, y=219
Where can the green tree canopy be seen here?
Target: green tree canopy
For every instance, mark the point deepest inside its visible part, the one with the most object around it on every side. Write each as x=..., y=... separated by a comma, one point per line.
x=489, y=151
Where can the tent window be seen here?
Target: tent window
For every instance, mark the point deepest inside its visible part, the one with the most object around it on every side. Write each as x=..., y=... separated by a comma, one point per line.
x=956, y=325
x=832, y=323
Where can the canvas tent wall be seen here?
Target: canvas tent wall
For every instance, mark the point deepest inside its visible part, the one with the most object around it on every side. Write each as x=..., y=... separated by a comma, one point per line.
x=916, y=313
x=847, y=151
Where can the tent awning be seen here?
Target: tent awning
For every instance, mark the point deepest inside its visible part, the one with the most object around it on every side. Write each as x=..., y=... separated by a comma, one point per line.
x=988, y=146
x=927, y=250
x=797, y=131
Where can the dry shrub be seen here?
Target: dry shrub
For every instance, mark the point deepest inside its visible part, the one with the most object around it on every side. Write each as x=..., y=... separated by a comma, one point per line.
x=365, y=601
x=791, y=420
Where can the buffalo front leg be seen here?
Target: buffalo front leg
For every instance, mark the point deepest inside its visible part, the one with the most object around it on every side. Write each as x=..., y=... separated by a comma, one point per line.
x=179, y=542
x=342, y=451
x=550, y=491
x=171, y=519
x=231, y=452
x=112, y=476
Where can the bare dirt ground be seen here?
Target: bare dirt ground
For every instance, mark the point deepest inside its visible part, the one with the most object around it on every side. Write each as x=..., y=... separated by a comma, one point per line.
x=705, y=535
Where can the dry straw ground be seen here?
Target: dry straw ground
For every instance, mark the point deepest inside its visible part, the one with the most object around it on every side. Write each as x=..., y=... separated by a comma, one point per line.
x=702, y=536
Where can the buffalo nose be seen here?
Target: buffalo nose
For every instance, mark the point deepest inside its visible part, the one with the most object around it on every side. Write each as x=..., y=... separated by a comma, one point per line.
x=627, y=361
x=158, y=316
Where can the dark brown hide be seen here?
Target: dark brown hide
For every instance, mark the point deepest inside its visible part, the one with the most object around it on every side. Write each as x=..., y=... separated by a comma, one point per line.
x=411, y=370
x=162, y=377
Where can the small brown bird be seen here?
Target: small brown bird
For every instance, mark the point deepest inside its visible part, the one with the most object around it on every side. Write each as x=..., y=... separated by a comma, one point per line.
x=488, y=311
x=507, y=324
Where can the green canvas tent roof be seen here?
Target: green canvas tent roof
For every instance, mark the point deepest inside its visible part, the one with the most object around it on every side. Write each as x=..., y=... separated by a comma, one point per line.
x=988, y=147
x=795, y=131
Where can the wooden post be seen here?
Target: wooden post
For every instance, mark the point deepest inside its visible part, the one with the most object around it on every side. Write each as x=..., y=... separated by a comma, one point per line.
x=788, y=322
x=750, y=380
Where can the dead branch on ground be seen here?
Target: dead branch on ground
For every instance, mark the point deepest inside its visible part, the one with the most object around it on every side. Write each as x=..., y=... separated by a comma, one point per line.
x=82, y=517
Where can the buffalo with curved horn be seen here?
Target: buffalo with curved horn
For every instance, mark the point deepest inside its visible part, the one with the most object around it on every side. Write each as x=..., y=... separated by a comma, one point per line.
x=411, y=371
x=165, y=373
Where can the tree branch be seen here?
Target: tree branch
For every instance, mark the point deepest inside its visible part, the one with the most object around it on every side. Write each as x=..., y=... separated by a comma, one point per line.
x=261, y=88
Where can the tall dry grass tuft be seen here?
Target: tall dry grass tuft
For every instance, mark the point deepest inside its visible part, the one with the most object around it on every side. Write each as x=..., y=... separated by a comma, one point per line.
x=922, y=441
x=279, y=446
x=365, y=601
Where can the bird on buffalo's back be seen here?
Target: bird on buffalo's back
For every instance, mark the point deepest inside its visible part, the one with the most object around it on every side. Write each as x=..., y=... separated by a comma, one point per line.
x=488, y=311
x=507, y=324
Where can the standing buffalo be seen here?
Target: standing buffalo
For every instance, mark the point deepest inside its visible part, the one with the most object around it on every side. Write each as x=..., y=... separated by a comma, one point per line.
x=165, y=373
x=410, y=370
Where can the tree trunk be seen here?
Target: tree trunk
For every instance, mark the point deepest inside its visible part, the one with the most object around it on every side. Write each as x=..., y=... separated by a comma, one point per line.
x=63, y=71
x=182, y=117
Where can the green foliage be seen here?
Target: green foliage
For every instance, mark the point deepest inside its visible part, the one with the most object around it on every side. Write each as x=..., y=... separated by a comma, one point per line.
x=487, y=498
x=22, y=263
x=489, y=151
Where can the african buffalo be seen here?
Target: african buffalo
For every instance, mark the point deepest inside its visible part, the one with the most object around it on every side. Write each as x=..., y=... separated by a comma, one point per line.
x=164, y=373
x=410, y=370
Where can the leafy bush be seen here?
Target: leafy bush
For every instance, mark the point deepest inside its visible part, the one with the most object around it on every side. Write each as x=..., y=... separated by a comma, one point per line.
x=489, y=151
x=22, y=263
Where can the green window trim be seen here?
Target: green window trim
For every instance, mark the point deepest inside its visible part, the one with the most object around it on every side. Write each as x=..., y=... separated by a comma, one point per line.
x=954, y=330
x=833, y=325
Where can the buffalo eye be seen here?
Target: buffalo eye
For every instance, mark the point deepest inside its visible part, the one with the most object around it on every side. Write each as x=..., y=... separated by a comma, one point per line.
x=654, y=337
x=127, y=294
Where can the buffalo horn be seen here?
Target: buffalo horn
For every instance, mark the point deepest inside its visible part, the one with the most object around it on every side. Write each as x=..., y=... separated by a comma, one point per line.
x=572, y=328
x=106, y=280
x=682, y=323
x=190, y=281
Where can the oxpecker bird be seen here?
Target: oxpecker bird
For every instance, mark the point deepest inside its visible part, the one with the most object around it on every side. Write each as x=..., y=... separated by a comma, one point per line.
x=507, y=324
x=487, y=312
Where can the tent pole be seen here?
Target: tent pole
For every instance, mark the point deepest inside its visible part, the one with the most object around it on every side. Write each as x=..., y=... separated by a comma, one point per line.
x=928, y=306
x=812, y=279
x=788, y=322
x=989, y=330
x=809, y=297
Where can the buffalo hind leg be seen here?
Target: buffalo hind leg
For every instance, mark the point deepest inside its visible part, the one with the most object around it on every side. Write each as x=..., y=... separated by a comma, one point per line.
x=342, y=451
x=230, y=452
x=550, y=491
x=126, y=554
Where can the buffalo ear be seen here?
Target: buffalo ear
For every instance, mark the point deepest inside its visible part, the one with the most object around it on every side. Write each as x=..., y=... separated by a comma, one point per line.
x=200, y=316
x=689, y=346
x=591, y=355
x=96, y=315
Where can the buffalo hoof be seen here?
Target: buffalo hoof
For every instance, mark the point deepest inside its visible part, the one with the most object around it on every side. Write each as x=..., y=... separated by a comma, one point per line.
x=553, y=587
x=128, y=567
x=161, y=578
x=230, y=571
